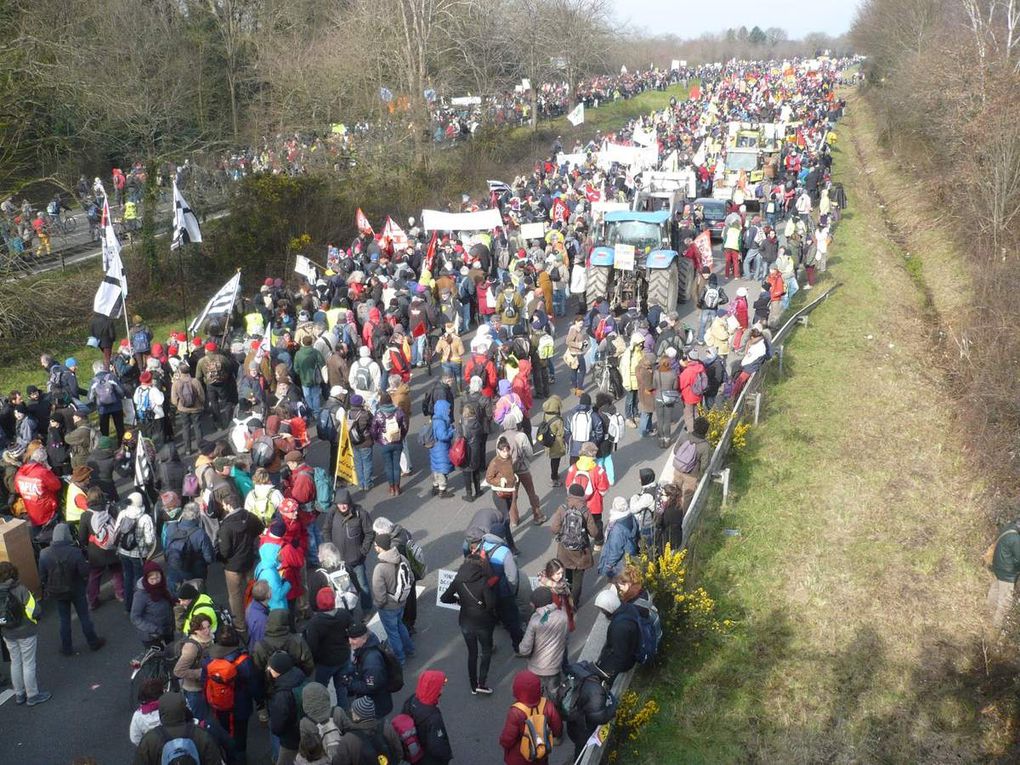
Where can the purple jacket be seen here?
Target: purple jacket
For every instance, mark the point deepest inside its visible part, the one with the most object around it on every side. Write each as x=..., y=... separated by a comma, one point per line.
x=255, y=618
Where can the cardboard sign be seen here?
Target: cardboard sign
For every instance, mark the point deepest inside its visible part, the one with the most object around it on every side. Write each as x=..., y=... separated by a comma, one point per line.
x=533, y=230
x=444, y=578
x=623, y=257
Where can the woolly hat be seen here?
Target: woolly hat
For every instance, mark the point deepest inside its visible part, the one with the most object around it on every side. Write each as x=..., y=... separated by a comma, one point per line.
x=145, y=378
x=357, y=630
x=608, y=600
x=357, y=400
x=325, y=600
x=584, y=400
x=135, y=499
x=187, y=591
x=576, y=490
x=315, y=702
x=281, y=662
x=210, y=346
x=363, y=708
x=542, y=596
x=647, y=477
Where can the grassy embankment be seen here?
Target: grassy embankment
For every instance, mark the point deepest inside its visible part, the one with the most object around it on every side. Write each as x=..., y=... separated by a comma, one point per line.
x=497, y=155
x=853, y=583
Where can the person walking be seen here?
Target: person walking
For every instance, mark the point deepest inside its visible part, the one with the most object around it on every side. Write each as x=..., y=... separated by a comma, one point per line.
x=443, y=434
x=284, y=708
x=423, y=708
x=693, y=383
x=473, y=430
x=370, y=678
x=63, y=574
x=545, y=641
x=349, y=527
x=500, y=476
x=236, y=542
x=392, y=582
x=96, y=530
x=187, y=549
x=470, y=589
x=667, y=395
x=594, y=483
x=389, y=429
x=20, y=634
x=583, y=425
x=528, y=702
x=308, y=364
x=574, y=355
x=621, y=539
x=574, y=529
x=152, y=608
x=176, y=724
x=187, y=397
x=136, y=542
x=189, y=667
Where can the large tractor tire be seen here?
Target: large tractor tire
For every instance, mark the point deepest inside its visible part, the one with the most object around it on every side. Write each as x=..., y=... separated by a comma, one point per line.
x=664, y=287
x=598, y=283
x=687, y=280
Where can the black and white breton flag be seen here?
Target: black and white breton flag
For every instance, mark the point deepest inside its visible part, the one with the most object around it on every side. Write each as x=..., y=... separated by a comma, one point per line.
x=498, y=187
x=143, y=467
x=109, y=300
x=221, y=303
x=186, y=230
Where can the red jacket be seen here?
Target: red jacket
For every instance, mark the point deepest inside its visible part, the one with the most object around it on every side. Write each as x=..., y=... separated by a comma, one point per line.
x=599, y=482
x=40, y=488
x=300, y=486
x=687, y=376
x=528, y=691
x=522, y=385
x=777, y=287
x=740, y=311
x=486, y=370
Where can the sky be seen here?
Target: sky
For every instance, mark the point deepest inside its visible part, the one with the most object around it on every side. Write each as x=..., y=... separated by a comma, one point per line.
x=692, y=18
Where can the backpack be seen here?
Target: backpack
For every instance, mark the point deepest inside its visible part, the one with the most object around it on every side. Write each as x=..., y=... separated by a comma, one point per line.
x=650, y=628
x=329, y=735
x=362, y=377
x=573, y=533
x=536, y=739
x=426, y=438
x=179, y=751
x=458, y=452
x=263, y=450
x=573, y=681
x=509, y=309
x=215, y=369
x=685, y=458
x=144, y=410
x=373, y=747
x=407, y=732
x=12, y=610
x=544, y=435
x=60, y=583
x=546, y=346
x=180, y=553
x=602, y=329
x=711, y=299
x=428, y=403
x=700, y=384
x=221, y=683
x=127, y=538
x=358, y=434
x=186, y=394
x=555, y=274
x=394, y=672
x=339, y=581
x=323, y=489
x=140, y=341
x=325, y=424
x=589, y=489
x=581, y=434
x=391, y=428
x=190, y=487
x=106, y=392
x=414, y=553
x=617, y=426
x=404, y=583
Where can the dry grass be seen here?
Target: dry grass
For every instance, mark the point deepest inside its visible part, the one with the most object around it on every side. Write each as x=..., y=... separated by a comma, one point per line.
x=854, y=581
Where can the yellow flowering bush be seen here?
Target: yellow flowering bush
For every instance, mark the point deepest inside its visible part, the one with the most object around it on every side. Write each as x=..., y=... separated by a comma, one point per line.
x=631, y=716
x=718, y=418
x=683, y=612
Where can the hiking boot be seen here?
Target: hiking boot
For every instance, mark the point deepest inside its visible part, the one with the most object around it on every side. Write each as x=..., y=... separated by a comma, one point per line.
x=446, y=494
x=98, y=644
x=40, y=698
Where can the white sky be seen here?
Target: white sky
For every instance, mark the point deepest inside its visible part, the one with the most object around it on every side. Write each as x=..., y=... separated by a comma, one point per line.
x=687, y=18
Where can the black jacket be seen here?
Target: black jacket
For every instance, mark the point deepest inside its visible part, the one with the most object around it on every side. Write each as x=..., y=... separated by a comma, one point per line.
x=103, y=463
x=594, y=707
x=428, y=721
x=370, y=677
x=170, y=471
x=471, y=589
x=283, y=710
x=62, y=569
x=622, y=640
x=237, y=539
x=175, y=722
x=326, y=635
x=352, y=534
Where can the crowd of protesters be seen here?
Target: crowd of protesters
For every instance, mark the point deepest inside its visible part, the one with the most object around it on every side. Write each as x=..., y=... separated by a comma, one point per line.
x=211, y=435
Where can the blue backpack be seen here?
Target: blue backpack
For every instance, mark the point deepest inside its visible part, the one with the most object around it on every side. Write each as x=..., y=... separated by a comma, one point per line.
x=179, y=751
x=323, y=489
x=325, y=424
x=649, y=627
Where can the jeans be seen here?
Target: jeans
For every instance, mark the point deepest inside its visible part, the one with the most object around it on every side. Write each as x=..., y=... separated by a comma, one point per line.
x=396, y=632
x=465, y=316
x=191, y=431
x=792, y=288
x=630, y=404
x=754, y=266
x=360, y=579
x=324, y=674
x=645, y=424
x=704, y=319
x=81, y=607
x=363, y=466
x=510, y=616
x=22, y=652
x=196, y=703
x=391, y=462
x=132, y=568
x=559, y=302
x=453, y=368
x=313, y=397
x=96, y=577
x=578, y=374
x=418, y=350
x=478, y=670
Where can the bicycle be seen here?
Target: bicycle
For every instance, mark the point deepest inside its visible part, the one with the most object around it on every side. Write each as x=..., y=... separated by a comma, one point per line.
x=156, y=661
x=62, y=225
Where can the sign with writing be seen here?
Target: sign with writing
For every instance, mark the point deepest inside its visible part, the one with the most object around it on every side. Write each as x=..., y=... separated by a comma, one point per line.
x=533, y=230
x=623, y=257
x=444, y=578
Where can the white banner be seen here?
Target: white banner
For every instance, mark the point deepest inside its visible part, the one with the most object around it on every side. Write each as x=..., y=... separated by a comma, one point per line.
x=466, y=101
x=444, y=578
x=600, y=208
x=636, y=157
x=532, y=230
x=645, y=137
x=576, y=160
x=483, y=220
x=306, y=268
x=675, y=65
x=576, y=116
x=623, y=257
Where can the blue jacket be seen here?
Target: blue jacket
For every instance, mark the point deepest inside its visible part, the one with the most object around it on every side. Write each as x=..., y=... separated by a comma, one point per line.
x=442, y=431
x=255, y=618
x=621, y=541
x=370, y=679
x=503, y=564
x=197, y=540
x=268, y=570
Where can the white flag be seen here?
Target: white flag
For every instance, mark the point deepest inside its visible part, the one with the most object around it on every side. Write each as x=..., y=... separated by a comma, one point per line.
x=143, y=467
x=109, y=299
x=186, y=228
x=306, y=268
x=219, y=304
x=576, y=116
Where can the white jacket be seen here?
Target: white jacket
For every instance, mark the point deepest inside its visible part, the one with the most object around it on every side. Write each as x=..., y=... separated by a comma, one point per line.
x=155, y=398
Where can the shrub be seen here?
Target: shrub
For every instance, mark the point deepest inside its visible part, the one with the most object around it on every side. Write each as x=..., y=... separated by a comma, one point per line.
x=718, y=418
x=685, y=614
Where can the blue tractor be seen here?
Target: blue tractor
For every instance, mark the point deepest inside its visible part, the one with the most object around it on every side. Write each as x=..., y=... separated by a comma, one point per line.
x=636, y=258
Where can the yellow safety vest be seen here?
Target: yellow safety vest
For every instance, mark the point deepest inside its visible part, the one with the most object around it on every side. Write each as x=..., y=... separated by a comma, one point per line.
x=254, y=324
x=72, y=513
x=333, y=317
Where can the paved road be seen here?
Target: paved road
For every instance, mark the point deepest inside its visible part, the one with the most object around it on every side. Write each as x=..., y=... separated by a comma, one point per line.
x=90, y=710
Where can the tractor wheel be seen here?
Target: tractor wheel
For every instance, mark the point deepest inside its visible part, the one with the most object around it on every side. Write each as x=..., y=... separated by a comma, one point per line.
x=598, y=283
x=664, y=287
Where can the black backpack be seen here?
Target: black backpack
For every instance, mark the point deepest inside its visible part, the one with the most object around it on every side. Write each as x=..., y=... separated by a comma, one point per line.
x=128, y=538
x=544, y=434
x=394, y=672
x=374, y=750
x=12, y=610
x=573, y=532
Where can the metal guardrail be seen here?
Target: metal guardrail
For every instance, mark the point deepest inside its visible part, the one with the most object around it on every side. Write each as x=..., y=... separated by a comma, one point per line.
x=749, y=395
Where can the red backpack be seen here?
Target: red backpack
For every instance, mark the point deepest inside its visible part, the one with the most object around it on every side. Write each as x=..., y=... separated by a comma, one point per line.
x=407, y=731
x=221, y=685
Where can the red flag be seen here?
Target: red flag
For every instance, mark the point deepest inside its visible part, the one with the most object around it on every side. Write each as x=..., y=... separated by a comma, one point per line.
x=591, y=193
x=419, y=329
x=394, y=235
x=695, y=92
x=430, y=253
x=560, y=211
x=364, y=226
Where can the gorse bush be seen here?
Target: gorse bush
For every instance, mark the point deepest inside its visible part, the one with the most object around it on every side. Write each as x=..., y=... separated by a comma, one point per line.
x=685, y=614
x=718, y=418
x=631, y=716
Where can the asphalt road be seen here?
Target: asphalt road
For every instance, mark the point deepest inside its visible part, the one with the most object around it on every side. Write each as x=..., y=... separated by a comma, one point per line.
x=90, y=710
